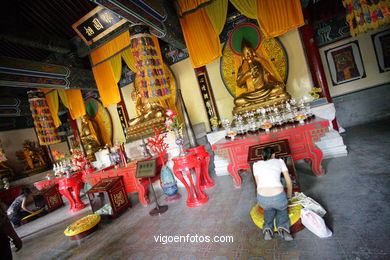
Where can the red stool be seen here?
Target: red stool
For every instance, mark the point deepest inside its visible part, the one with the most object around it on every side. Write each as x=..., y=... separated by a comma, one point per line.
x=66, y=187
x=203, y=156
x=196, y=197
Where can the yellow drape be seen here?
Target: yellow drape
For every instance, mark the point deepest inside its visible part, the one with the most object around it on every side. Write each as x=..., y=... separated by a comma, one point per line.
x=277, y=17
x=246, y=7
x=201, y=40
x=107, y=86
x=128, y=57
x=107, y=73
x=53, y=104
x=76, y=103
x=217, y=12
x=116, y=67
x=63, y=97
x=189, y=5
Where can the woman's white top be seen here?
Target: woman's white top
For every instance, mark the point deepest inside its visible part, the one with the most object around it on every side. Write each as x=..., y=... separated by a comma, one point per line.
x=268, y=172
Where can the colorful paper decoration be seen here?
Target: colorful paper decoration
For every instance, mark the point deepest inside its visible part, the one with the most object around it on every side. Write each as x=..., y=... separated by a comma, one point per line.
x=43, y=121
x=363, y=15
x=153, y=84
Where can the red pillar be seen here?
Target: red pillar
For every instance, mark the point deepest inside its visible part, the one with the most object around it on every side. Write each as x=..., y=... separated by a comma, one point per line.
x=315, y=63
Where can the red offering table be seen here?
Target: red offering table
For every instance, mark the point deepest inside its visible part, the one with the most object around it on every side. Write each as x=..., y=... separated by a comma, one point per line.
x=182, y=167
x=132, y=184
x=301, y=138
x=203, y=156
x=70, y=189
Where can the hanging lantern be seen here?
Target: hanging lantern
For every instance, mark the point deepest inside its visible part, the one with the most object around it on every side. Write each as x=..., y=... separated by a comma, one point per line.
x=153, y=84
x=43, y=121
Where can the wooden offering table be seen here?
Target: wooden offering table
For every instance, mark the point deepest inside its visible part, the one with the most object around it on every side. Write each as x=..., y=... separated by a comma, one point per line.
x=50, y=197
x=301, y=138
x=108, y=197
x=132, y=184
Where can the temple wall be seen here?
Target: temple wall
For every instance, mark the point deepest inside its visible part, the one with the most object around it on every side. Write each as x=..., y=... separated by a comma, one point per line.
x=363, y=106
x=13, y=141
x=373, y=76
x=363, y=100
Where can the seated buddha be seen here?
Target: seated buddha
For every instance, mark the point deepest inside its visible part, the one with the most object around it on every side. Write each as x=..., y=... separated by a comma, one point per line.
x=90, y=137
x=260, y=84
x=145, y=110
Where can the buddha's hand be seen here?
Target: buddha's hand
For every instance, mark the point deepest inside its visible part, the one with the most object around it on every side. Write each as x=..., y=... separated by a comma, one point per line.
x=255, y=73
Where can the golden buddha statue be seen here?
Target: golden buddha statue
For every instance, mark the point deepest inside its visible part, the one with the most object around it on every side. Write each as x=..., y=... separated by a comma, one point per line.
x=90, y=137
x=262, y=87
x=145, y=110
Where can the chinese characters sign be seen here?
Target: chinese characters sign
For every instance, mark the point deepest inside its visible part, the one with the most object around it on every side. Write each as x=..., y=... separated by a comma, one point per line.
x=207, y=95
x=146, y=168
x=96, y=24
x=122, y=119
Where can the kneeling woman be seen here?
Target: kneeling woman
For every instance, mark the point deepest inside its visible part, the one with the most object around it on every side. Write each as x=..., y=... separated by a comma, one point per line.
x=270, y=194
x=18, y=209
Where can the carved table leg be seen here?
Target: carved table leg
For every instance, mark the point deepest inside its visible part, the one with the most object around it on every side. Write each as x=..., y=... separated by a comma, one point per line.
x=68, y=195
x=236, y=177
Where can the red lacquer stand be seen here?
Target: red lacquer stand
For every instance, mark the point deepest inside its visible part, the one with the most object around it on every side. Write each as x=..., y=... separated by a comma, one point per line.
x=203, y=156
x=70, y=189
x=183, y=165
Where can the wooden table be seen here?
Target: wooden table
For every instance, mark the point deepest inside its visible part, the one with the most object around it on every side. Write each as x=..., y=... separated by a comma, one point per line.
x=109, y=197
x=132, y=184
x=301, y=138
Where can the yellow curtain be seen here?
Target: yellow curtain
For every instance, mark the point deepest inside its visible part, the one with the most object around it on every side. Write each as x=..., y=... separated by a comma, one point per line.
x=76, y=103
x=217, y=12
x=277, y=17
x=116, y=67
x=201, y=40
x=128, y=57
x=246, y=7
x=64, y=97
x=107, y=86
x=106, y=72
x=189, y=5
x=53, y=104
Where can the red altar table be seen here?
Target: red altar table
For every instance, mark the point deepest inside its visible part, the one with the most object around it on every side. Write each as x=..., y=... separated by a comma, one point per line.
x=301, y=138
x=70, y=188
x=182, y=166
x=132, y=184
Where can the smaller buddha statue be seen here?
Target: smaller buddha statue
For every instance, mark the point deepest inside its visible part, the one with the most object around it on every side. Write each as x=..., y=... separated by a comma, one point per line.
x=145, y=110
x=260, y=84
x=90, y=137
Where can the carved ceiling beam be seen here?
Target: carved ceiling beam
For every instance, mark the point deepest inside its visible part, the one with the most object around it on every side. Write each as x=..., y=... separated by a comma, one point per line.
x=32, y=74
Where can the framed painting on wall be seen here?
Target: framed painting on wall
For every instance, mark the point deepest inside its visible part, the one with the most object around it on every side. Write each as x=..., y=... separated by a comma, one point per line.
x=381, y=42
x=345, y=63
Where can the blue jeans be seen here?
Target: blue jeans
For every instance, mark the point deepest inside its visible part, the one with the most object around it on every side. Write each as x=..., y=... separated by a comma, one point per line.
x=275, y=207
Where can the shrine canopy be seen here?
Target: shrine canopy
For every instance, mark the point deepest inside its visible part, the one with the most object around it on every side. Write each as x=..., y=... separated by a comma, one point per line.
x=203, y=20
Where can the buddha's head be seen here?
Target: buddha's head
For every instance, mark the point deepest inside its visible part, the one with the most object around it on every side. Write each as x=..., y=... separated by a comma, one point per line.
x=247, y=50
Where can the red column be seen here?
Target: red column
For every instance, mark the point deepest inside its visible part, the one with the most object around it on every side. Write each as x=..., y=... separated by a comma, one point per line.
x=315, y=63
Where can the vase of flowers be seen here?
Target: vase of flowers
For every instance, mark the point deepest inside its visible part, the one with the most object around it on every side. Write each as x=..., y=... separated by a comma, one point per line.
x=167, y=179
x=214, y=123
x=172, y=124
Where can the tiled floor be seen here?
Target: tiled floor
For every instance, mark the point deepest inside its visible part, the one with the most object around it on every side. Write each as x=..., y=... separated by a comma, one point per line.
x=354, y=191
